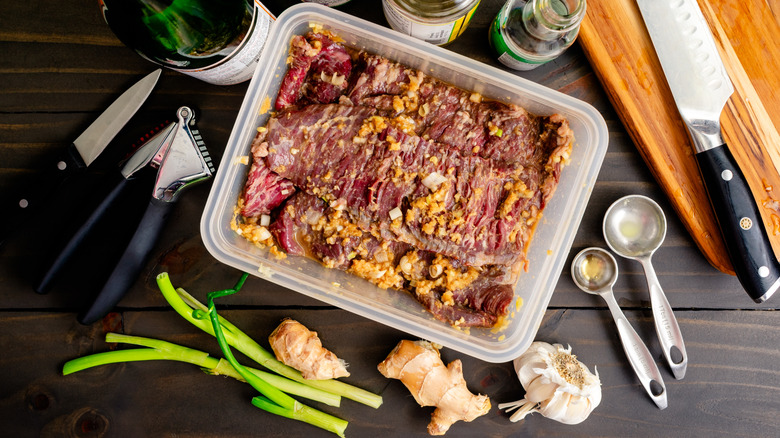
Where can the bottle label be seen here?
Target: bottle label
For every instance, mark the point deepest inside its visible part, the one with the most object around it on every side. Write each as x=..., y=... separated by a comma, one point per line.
x=439, y=33
x=506, y=55
x=512, y=62
x=240, y=65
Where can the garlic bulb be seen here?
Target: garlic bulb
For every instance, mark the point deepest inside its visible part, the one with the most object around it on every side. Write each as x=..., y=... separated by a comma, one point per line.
x=556, y=384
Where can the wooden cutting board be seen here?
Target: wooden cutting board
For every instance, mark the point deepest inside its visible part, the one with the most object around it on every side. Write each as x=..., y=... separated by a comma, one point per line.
x=616, y=42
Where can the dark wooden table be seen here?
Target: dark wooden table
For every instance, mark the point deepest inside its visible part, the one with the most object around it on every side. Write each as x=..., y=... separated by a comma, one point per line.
x=61, y=66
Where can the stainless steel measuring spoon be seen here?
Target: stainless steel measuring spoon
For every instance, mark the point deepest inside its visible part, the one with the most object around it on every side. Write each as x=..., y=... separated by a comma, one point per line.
x=595, y=271
x=634, y=228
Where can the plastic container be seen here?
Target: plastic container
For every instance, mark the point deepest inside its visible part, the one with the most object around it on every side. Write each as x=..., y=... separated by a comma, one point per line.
x=330, y=3
x=549, y=248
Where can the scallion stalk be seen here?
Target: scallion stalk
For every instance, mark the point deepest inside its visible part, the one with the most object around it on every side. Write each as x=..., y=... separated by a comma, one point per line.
x=273, y=400
x=186, y=305
x=323, y=420
x=162, y=350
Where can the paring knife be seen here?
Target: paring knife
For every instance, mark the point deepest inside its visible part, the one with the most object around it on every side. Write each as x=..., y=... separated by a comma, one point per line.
x=701, y=87
x=79, y=155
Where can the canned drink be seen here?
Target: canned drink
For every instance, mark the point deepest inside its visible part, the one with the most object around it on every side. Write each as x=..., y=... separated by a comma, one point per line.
x=437, y=22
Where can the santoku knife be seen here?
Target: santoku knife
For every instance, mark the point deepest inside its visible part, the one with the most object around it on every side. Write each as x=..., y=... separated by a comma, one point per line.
x=77, y=156
x=701, y=87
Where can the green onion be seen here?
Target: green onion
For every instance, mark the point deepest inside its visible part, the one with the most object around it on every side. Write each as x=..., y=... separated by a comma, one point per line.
x=273, y=400
x=184, y=304
x=162, y=350
x=274, y=389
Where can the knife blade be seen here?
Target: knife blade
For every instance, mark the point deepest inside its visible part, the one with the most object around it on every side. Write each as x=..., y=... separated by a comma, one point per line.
x=76, y=157
x=701, y=87
x=99, y=134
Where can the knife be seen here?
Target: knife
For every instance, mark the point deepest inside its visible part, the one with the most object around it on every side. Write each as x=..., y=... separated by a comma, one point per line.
x=701, y=87
x=77, y=156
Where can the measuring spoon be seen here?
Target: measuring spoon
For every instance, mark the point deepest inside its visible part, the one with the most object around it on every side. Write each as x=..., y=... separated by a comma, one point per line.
x=635, y=227
x=595, y=271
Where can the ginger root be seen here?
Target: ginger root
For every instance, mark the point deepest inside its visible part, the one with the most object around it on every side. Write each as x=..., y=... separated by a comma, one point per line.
x=419, y=367
x=300, y=348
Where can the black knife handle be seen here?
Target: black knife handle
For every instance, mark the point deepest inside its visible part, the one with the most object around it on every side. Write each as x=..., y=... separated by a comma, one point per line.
x=21, y=205
x=132, y=261
x=740, y=222
x=78, y=238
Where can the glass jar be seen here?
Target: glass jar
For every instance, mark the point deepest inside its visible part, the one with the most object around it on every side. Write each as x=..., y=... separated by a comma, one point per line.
x=528, y=33
x=437, y=22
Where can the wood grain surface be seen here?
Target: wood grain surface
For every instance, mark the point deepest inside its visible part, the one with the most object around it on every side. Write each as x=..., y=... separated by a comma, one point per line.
x=618, y=46
x=61, y=66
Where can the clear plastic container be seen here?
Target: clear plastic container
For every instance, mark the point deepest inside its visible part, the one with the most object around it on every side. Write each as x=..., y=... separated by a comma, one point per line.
x=549, y=248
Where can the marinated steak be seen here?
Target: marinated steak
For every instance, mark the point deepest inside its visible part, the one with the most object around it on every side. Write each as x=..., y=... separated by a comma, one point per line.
x=318, y=73
x=450, y=290
x=471, y=208
x=379, y=170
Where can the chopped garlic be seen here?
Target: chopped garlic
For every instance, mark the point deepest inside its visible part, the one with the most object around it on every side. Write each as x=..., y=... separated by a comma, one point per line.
x=395, y=213
x=265, y=106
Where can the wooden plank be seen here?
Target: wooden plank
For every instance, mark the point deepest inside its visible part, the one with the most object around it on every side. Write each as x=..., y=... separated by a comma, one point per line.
x=729, y=390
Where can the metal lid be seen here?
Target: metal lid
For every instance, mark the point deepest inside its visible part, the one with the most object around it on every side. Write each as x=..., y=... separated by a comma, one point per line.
x=434, y=9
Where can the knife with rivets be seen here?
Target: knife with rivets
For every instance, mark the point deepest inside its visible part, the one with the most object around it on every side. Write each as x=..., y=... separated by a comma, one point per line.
x=76, y=157
x=701, y=87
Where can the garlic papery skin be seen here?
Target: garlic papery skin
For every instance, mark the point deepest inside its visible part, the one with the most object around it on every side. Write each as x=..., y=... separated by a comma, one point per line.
x=557, y=385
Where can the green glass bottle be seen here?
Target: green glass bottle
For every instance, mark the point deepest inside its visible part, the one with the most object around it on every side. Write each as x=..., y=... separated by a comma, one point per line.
x=528, y=33
x=217, y=41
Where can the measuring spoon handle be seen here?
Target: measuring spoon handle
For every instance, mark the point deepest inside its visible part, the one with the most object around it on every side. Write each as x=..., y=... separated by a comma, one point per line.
x=666, y=324
x=638, y=355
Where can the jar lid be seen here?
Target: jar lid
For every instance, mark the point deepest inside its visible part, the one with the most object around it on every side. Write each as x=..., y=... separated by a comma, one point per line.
x=434, y=9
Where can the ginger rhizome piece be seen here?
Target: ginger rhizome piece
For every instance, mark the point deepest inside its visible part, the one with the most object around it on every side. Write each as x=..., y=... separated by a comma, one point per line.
x=418, y=365
x=301, y=348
